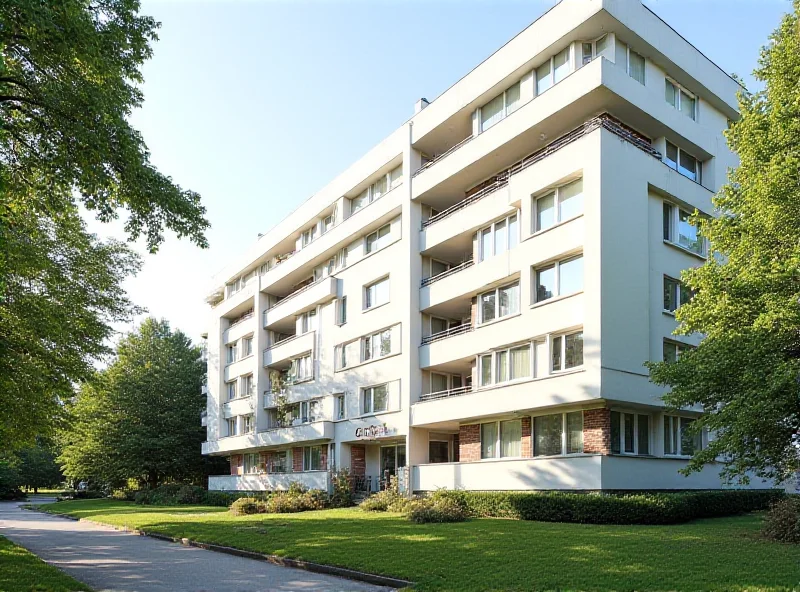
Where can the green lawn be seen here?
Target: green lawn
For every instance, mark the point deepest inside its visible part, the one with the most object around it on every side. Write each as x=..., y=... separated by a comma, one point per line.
x=488, y=554
x=22, y=571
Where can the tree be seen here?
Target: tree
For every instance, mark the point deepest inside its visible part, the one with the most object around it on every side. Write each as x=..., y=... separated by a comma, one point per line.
x=140, y=418
x=38, y=468
x=68, y=81
x=746, y=371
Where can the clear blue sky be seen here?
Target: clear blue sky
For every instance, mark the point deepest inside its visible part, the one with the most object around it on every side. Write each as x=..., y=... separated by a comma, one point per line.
x=257, y=105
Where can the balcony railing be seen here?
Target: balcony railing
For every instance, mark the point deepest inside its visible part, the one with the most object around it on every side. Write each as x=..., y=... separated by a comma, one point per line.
x=456, y=392
x=438, y=157
x=284, y=340
x=296, y=292
x=465, y=328
x=449, y=272
x=500, y=181
x=248, y=315
x=296, y=422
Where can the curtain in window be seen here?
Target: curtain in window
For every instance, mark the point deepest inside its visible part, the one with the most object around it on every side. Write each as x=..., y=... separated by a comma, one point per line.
x=513, y=232
x=510, y=438
x=561, y=65
x=513, y=99
x=636, y=67
x=486, y=370
x=501, y=358
x=486, y=244
x=395, y=177
x=570, y=200
x=544, y=79
x=500, y=239
x=488, y=440
x=521, y=362
x=492, y=112
x=575, y=432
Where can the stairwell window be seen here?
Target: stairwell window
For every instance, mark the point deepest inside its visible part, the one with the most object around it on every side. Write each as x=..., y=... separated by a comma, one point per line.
x=680, y=99
x=378, y=239
x=678, y=439
x=500, y=107
x=499, y=237
x=675, y=294
x=567, y=351
x=559, y=205
x=630, y=433
x=375, y=399
x=680, y=231
x=376, y=293
x=498, y=303
x=683, y=162
x=559, y=279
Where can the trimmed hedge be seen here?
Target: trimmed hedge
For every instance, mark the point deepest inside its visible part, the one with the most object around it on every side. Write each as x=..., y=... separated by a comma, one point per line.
x=611, y=508
x=175, y=495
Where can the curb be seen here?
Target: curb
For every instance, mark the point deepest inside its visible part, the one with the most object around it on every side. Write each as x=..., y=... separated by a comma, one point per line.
x=321, y=568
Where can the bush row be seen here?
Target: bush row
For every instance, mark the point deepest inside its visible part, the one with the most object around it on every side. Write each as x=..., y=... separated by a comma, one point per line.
x=438, y=507
x=612, y=508
x=175, y=494
x=297, y=498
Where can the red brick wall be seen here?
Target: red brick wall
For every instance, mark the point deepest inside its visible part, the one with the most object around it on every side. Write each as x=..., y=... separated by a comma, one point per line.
x=358, y=460
x=597, y=431
x=527, y=440
x=297, y=459
x=236, y=464
x=323, y=456
x=469, y=442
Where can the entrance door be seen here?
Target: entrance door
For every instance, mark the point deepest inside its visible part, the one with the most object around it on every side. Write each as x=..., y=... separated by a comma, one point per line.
x=392, y=457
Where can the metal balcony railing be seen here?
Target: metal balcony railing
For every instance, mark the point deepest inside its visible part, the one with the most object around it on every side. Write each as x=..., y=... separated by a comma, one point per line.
x=466, y=328
x=438, y=157
x=456, y=392
x=500, y=182
x=449, y=272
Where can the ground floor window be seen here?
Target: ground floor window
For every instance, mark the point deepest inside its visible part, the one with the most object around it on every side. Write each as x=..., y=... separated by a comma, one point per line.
x=630, y=433
x=438, y=451
x=278, y=462
x=558, y=433
x=392, y=458
x=678, y=439
x=312, y=458
x=501, y=439
x=251, y=463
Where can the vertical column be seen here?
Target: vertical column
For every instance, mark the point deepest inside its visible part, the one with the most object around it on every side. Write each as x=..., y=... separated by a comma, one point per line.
x=260, y=303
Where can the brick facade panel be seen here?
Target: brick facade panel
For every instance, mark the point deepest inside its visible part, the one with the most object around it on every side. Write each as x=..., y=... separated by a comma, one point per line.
x=597, y=431
x=358, y=460
x=527, y=438
x=297, y=459
x=469, y=442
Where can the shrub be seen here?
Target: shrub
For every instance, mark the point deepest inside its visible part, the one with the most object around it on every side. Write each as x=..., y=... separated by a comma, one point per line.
x=297, y=499
x=342, y=496
x=189, y=494
x=222, y=499
x=782, y=522
x=440, y=509
x=88, y=494
x=610, y=508
x=382, y=501
x=248, y=505
x=125, y=495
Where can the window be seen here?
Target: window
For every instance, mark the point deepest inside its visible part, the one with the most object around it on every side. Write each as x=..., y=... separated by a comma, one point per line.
x=635, y=66
x=378, y=189
x=678, y=438
x=560, y=205
x=499, y=303
x=395, y=177
x=312, y=458
x=567, y=351
x=341, y=310
x=309, y=235
x=341, y=357
x=673, y=350
x=231, y=353
x=247, y=346
x=513, y=363
x=277, y=462
x=601, y=47
x=327, y=223
x=308, y=321
x=376, y=293
x=359, y=201
x=341, y=409
x=378, y=239
x=500, y=107
x=553, y=71
x=559, y=279
x=630, y=433
x=438, y=451
x=439, y=382
x=231, y=387
x=248, y=386
x=248, y=424
x=675, y=294
x=680, y=231
x=438, y=267
x=251, y=463
x=499, y=237
x=375, y=399
x=233, y=427
x=233, y=287
x=485, y=362
x=301, y=369
x=306, y=412
x=683, y=162
x=558, y=433
x=376, y=345
x=680, y=99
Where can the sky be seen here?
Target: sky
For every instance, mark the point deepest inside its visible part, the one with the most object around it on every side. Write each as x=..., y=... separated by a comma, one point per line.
x=257, y=105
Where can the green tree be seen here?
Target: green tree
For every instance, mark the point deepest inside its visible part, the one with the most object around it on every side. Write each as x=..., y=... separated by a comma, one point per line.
x=38, y=468
x=746, y=372
x=140, y=418
x=69, y=72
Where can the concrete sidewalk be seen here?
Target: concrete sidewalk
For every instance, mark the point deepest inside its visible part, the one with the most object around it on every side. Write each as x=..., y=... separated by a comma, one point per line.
x=109, y=560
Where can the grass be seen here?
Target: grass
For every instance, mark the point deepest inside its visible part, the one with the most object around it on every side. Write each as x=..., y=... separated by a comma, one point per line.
x=488, y=554
x=22, y=571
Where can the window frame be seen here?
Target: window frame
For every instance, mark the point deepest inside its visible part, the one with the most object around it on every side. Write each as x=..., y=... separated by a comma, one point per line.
x=340, y=401
x=564, y=434
x=551, y=75
x=498, y=441
x=369, y=344
x=679, y=293
x=671, y=229
x=510, y=242
x=232, y=386
x=697, y=445
x=637, y=416
x=247, y=463
x=505, y=109
x=556, y=193
x=308, y=321
x=247, y=346
x=676, y=165
x=368, y=304
x=371, y=390
x=679, y=349
x=341, y=311
x=593, y=43
x=231, y=353
x=233, y=421
x=248, y=424
x=628, y=65
x=377, y=245
x=303, y=363
x=556, y=267
x=308, y=458
x=497, y=317
x=679, y=99
x=244, y=391
x=563, y=352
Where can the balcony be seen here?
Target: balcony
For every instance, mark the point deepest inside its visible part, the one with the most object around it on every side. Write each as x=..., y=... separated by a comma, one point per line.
x=321, y=429
x=301, y=300
x=285, y=350
x=269, y=481
x=456, y=392
x=453, y=270
x=459, y=330
x=241, y=405
x=237, y=304
x=462, y=282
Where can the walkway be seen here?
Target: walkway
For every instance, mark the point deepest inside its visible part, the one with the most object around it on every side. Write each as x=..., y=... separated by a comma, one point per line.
x=109, y=560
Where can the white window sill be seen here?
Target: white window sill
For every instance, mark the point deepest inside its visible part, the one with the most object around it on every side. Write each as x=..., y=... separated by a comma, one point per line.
x=685, y=250
x=371, y=308
x=376, y=414
x=555, y=299
x=498, y=320
x=669, y=313
x=554, y=226
x=567, y=371
x=365, y=362
x=497, y=385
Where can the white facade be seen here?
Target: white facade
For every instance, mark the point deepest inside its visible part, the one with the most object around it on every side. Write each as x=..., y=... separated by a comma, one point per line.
x=475, y=298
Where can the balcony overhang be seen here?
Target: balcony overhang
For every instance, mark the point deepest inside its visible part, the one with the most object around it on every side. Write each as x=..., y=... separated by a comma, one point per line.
x=301, y=301
x=290, y=348
x=311, y=432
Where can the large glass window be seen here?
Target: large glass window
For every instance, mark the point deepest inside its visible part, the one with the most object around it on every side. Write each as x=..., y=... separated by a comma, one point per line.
x=438, y=451
x=499, y=303
x=680, y=99
x=499, y=237
x=378, y=239
x=511, y=438
x=376, y=293
x=375, y=399
x=636, y=66
x=560, y=205
x=559, y=279
x=559, y=433
x=567, y=351
x=679, y=230
x=554, y=70
x=683, y=162
x=630, y=433
x=489, y=440
x=512, y=363
x=679, y=440
x=500, y=107
x=251, y=463
x=312, y=458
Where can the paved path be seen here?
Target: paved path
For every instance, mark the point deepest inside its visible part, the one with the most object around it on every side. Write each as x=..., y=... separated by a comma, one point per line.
x=109, y=560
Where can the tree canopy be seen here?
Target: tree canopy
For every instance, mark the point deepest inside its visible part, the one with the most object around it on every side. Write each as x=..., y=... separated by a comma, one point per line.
x=140, y=418
x=69, y=72
x=746, y=371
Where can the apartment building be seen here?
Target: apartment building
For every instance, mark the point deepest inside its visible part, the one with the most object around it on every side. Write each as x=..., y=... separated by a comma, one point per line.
x=470, y=305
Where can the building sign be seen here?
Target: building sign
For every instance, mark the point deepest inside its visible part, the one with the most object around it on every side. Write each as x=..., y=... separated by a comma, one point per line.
x=374, y=431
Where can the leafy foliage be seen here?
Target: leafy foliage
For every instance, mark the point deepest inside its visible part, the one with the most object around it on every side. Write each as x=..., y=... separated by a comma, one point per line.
x=441, y=509
x=139, y=418
x=746, y=372
x=782, y=522
x=38, y=467
x=386, y=500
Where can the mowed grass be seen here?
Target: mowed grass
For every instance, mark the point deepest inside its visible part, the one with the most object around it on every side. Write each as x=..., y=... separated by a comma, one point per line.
x=488, y=554
x=22, y=571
